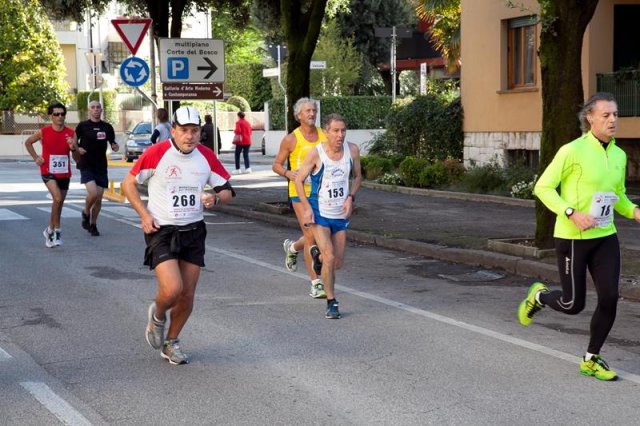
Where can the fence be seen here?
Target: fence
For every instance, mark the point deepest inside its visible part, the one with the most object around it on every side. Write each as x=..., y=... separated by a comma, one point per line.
x=625, y=87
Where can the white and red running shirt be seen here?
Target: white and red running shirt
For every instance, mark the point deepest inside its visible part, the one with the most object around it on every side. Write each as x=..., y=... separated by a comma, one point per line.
x=176, y=181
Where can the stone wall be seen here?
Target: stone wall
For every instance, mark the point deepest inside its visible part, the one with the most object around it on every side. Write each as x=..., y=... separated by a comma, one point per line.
x=484, y=147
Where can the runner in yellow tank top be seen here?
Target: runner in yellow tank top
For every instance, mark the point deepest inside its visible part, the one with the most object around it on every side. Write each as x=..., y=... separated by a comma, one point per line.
x=293, y=148
x=303, y=146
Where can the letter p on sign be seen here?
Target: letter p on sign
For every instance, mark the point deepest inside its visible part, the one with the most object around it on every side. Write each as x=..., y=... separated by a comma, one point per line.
x=178, y=68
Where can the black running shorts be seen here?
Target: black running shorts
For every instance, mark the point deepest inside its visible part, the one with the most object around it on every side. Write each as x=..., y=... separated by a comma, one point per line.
x=176, y=242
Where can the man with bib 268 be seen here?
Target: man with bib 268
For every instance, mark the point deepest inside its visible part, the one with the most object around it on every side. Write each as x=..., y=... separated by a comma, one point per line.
x=591, y=174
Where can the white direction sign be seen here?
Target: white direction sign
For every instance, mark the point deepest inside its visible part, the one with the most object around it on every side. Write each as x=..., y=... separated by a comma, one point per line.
x=191, y=60
x=318, y=65
x=271, y=72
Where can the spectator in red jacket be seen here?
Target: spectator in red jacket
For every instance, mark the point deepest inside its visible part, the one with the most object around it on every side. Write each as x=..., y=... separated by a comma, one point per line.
x=242, y=141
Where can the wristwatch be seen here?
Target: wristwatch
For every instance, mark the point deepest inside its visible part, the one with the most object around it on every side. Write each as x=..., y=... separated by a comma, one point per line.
x=569, y=211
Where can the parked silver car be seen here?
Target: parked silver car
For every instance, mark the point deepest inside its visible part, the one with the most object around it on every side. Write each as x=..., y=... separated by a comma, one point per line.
x=138, y=140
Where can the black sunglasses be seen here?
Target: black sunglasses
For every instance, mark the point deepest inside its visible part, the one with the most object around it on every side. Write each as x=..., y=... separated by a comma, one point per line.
x=59, y=114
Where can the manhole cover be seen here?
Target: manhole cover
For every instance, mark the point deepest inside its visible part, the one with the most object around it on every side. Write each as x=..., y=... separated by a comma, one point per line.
x=477, y=276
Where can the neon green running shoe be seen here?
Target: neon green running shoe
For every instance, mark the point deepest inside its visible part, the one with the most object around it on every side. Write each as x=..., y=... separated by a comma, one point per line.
x=598, y=368
x=528, y=307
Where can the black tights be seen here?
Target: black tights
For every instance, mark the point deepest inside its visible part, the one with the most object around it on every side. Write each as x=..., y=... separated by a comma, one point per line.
x=602, y=257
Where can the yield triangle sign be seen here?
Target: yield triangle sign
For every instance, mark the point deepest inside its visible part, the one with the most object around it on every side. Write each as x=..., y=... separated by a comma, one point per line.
x=132, y=31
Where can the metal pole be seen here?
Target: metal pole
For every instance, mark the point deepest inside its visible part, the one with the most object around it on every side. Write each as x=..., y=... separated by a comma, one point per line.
x=286, y=109
x=215, y=128
x=393, y=64
x=152, y=63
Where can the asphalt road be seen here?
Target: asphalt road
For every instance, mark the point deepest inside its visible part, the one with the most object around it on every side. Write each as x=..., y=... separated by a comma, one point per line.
x=413, y=347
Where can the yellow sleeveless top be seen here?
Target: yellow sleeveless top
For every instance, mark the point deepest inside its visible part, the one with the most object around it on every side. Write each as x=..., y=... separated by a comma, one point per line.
x=296, y=157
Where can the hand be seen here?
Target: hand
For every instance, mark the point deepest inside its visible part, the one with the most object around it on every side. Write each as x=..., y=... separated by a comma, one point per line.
x=347, y=207
x=82, y=151
x=115, y=147
x=208, y=200
x=292, y=175
x=307, y=217
x=583, y=221
x=39, y=160
x=70, y=142
x=149, y=225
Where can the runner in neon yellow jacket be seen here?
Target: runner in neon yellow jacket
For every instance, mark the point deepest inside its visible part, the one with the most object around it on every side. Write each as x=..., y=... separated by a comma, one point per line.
x=584, y=168
x=590, y=172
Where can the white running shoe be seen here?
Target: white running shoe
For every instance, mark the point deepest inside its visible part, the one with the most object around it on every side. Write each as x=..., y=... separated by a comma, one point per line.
x=48, y=238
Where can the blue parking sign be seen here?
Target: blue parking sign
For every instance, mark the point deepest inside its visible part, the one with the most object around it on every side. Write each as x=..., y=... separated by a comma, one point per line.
x=178, y=68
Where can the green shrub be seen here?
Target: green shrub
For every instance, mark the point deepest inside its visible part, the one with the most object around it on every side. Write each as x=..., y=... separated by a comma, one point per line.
x=246, y=80
x=109, y=105
x=434, y=176
x=239, y=102
x=485, y=179
x=427, y=127
x=455, y=169
x=374, y=166
x=410, y=170
x=360, y=112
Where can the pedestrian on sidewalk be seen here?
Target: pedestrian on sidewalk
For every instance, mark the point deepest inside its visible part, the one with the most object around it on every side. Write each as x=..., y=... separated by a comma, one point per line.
x=162, y=132
x=242, y=141
x=93, y=136
x=293, y=149
x=334, y=168
x=57, y=142
x=176, y=172
x=206, y=135
x=591, y=174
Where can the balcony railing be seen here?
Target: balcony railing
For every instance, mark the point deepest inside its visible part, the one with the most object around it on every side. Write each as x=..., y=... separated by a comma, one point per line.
x=625, y=87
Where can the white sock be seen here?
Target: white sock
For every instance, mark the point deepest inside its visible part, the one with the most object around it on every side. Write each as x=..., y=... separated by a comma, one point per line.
x=538, y=298
x=316, y=281
x=588, y=356
x=58, y=230
x=49, y=230
x=292, y=250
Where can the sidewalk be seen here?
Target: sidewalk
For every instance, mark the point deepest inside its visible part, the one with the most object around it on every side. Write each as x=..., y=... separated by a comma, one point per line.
x=430, y=223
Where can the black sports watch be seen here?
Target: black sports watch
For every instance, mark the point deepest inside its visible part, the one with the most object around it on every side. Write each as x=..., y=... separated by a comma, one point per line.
x=569, y=211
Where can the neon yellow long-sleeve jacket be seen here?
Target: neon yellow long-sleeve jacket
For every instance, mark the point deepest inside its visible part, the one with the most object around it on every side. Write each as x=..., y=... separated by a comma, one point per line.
x=582, y=168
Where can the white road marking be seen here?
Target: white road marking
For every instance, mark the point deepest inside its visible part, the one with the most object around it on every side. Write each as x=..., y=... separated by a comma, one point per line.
x=66, y=212
x=4, y=355
x=56, y=405
x=6, y=214
x=122, y=211
x=431, y=315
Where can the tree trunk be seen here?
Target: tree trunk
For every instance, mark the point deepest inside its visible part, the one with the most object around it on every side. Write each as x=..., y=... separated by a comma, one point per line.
x=301, y=30
x=563, y=25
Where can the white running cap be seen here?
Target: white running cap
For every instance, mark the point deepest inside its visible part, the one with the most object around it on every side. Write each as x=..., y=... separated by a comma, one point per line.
x=186, y=115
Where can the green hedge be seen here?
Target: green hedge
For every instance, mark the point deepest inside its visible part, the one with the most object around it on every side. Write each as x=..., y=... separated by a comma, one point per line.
x=246, y=80
x=428, y=127
x=360, y=112
x=110, y=105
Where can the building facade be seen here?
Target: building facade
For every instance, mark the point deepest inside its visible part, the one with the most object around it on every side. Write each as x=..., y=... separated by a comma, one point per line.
x=501, y=84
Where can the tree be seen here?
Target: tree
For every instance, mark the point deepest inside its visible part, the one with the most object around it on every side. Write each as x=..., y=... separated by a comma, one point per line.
x=343, y=64
x=31, y=63
x=563, y=24
x=163, y=12
x=360, y=20
x=445, y=29
x=300, y=22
